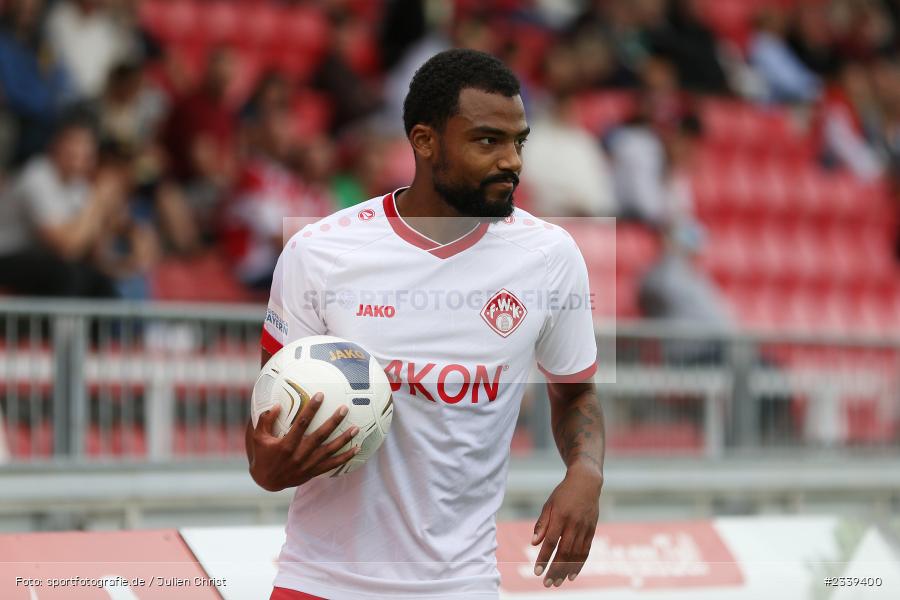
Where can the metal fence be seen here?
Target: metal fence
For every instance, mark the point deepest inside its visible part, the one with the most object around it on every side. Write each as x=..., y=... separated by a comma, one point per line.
x=91, y=381
x=102, y=380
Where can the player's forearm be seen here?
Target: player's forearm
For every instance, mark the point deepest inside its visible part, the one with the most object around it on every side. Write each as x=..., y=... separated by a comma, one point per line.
x=578, y=427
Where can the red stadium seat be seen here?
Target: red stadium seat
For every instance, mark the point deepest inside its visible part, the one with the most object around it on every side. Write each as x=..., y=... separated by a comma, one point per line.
x=627, y=295
x=312, y=114
x=290, y=40
x=261, y=24
x=201, y=439
x=733, y=126
x=116, y=441
x=672, y=438
x=304, y=29
x=598, y=111
x=360, y=49
x=730, y=19
x=205, y=278
x=30, y=440
x=173, y=21
x=636, y=247
x=597, y=242
x=223, y=22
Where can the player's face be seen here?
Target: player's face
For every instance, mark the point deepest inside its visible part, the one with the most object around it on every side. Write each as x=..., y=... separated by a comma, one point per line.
x=477, y=168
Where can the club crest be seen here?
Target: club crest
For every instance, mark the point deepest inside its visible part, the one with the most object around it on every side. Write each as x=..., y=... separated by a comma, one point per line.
x=503, y=312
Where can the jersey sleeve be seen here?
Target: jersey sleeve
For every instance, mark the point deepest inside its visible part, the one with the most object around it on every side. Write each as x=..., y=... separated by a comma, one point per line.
x=566, y=350
x=295, y=309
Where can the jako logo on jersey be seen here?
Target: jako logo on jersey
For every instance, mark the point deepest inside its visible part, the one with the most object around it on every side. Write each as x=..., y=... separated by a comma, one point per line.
x=472, y=383
x=374, y=310
x=366, y=214
x=503, y=312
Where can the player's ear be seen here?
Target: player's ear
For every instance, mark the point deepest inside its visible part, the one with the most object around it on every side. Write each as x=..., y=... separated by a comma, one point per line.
x=424, y=141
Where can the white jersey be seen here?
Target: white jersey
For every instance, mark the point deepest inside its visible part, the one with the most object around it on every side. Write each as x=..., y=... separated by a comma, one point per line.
x=458, y=328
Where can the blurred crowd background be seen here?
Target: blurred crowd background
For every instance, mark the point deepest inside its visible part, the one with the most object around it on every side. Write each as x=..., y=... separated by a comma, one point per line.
x=150, y=149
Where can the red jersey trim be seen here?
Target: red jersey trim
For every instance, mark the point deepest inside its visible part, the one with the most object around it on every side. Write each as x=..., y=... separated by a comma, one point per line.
x=418, y=240
x=400, y=227
x=578, y=377
x=269, y=343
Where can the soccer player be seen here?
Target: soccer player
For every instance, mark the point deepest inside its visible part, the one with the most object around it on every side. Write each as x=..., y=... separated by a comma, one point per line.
x=457, y=293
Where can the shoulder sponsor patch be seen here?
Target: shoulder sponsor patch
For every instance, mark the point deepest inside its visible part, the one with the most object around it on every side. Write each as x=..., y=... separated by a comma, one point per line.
x=276, y=320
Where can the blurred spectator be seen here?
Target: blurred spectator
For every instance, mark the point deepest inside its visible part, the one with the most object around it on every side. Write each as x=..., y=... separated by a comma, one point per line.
x=622, y=23
x=366, y=173
x=885, y=77
x=811, y=39
x=128, y=247
x=267, y=192
x=843, y=136
x=649, y=186
x=316, y=163
x=651, y=153
x=566, y=169
x=199, y=138
x=130, y=110
x=596, y=61
x=661, y=100
x=53, y=218
x=131, y=113
x=32, y=84
x=691, y=46
x=444, y=29
x=435, y=38
x=352, y=97
x=677, y=290
x=864, y=28
x=89, y=41
x=886, y=82
x=403, y=23
x=786, y=77
x=273, y=92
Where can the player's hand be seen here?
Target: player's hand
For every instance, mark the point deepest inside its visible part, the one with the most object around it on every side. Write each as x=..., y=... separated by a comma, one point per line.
x=292, y=460
x=567, y=524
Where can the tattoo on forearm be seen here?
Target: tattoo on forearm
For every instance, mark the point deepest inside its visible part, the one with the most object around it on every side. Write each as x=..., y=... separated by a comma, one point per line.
x=579, y=432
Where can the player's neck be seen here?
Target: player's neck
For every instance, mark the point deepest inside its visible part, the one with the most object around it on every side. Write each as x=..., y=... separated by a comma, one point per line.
x=425, y=211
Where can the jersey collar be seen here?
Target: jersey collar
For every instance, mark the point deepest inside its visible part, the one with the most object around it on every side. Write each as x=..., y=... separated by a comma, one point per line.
x=418, y=240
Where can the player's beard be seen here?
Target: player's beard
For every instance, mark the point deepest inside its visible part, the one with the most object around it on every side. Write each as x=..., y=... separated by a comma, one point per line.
x=473, y=201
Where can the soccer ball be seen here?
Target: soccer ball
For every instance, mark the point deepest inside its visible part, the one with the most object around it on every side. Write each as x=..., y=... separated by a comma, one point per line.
x=346, y=374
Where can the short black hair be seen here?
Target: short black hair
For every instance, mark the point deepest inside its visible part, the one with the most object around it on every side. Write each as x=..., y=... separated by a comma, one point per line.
x=77, y=116
x=434, y=90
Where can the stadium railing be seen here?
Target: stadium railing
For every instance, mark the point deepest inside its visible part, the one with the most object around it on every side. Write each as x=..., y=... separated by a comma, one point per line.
x=131, y=413
x=84, y=381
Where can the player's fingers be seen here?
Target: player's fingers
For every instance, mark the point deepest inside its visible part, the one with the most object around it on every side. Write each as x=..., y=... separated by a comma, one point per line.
x=266, y=421
x=303, y=419
x=540, y=527
x=584, y=548
x=335, y=461
x=326, y=450
x=550, y=540
x=562, y=561
x=321, y=433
